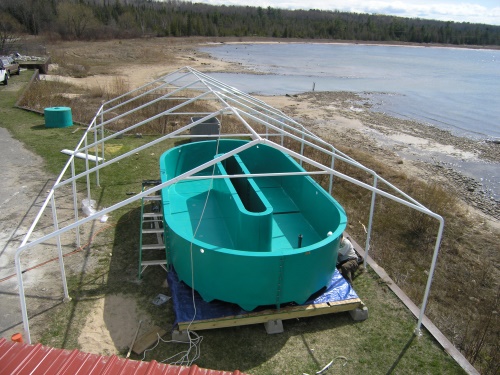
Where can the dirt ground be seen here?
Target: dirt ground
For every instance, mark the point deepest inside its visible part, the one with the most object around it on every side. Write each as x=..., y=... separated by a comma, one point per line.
x=21, y=191
x=25, y=185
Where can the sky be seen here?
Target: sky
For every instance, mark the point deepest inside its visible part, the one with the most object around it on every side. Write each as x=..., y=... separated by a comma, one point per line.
x=474, y=11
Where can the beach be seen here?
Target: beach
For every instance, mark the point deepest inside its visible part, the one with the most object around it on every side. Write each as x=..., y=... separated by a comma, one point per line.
x=344, y=118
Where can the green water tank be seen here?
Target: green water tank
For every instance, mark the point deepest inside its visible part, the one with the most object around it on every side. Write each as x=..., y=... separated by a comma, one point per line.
x=58, y=117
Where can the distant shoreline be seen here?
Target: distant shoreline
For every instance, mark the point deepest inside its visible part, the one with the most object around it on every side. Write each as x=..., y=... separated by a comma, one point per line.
x=408, y=99
x=258, y=40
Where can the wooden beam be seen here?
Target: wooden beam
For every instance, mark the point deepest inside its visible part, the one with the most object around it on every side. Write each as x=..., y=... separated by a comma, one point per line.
x=264, y=316
x=148, y=339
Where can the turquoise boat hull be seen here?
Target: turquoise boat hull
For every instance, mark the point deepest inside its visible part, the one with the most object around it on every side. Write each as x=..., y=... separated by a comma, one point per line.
x=252, y=241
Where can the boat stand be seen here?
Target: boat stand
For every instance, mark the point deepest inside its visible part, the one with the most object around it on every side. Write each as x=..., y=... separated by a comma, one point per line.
x=339, y=297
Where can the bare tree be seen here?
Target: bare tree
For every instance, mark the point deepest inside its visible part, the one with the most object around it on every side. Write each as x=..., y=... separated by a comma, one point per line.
x=75, y=20
x=9, y=27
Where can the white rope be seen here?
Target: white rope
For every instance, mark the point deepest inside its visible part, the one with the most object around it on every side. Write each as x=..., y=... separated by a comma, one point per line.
x=184, y=358
x=327, y=367
x=189, y=356
x=198, y=227
x=194, y=343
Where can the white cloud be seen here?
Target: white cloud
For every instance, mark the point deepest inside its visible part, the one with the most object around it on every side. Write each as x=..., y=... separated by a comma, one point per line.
x=466, y=12
x=445, y=11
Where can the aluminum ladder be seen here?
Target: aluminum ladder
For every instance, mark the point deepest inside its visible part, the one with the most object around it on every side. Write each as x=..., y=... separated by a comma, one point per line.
x=151, y=242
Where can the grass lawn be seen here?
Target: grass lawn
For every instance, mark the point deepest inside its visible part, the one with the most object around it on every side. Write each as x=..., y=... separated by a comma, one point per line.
x=382, y=344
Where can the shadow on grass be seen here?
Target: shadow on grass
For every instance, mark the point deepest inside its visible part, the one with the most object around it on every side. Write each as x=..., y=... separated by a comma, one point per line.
x=310, y=351
x=401, y=354
x=49, y=304
x=36, y=202
x=240, y=347
x=39, y=127
x=306, y=344
x=80, y=284
x=37, y=302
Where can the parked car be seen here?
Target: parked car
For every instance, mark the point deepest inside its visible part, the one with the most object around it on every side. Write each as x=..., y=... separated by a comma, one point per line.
x=10, y=65
x=4, y=76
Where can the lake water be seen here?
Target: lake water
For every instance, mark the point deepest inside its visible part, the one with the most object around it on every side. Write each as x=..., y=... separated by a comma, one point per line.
x=451, y=88
x=455, y=89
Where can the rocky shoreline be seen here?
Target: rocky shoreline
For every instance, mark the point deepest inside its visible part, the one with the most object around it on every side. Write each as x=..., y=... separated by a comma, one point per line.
x=347, y=118
x=468, y=189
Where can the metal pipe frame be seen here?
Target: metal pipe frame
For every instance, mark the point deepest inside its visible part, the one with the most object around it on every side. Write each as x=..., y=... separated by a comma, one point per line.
x=225, y=95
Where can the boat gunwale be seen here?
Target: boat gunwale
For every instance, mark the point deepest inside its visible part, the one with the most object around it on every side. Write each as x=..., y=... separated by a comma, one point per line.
x=331, y=237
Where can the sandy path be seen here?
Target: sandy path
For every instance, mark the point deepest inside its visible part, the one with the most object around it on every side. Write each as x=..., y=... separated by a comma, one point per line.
x=22, y=191
x=111, y=325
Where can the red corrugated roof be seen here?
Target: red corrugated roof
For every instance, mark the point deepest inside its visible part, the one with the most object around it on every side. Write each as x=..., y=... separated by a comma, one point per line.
x=17, y=358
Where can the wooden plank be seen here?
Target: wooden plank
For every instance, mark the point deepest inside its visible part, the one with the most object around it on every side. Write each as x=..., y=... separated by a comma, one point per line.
x=42, y=65
x=290, y=312
x=148, y=339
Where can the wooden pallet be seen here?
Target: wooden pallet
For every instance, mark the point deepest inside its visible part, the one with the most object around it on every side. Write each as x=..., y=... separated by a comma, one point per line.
x=290, y=312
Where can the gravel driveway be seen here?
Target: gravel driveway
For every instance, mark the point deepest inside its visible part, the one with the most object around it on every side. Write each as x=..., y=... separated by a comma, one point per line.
x=22, y=190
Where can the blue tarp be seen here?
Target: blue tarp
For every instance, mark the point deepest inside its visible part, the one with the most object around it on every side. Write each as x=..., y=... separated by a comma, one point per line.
x=182, y=299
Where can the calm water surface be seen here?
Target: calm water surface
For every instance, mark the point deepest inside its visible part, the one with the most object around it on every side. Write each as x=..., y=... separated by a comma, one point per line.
x=454, y=89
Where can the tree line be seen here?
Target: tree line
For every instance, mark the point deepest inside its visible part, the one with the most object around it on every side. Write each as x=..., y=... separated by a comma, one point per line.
x=104, y=19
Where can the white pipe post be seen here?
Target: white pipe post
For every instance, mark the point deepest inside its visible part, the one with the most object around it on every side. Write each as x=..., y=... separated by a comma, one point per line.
x=75, y=202
x=157, y=116
x=252, y=175
x=96, y=153
x=102, y=135
x=418, y=331
x=370, y=220
x=332, y=165
x=59, y=248
x=302, y=147
x=22, y=298
x=282, y=134
x=146, y=105
x=87, y=169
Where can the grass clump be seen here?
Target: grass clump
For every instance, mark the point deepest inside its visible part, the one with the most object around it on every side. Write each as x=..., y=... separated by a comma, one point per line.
x=70, y=64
